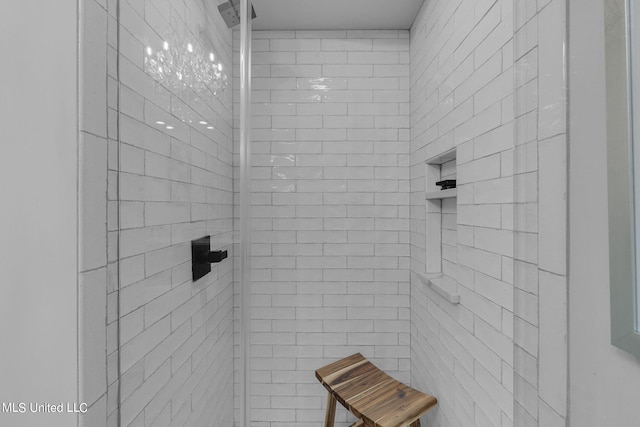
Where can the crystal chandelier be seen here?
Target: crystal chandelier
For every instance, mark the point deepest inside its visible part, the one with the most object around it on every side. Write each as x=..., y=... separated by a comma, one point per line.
x=186, y=67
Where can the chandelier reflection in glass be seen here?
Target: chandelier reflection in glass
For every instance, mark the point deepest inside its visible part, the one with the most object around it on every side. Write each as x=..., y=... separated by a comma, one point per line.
x=187, y=68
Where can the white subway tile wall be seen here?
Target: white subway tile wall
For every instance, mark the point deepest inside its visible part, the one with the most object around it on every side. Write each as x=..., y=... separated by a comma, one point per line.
x=167, y=181
x=511, y=224
x=330, y=183
x=462, y=97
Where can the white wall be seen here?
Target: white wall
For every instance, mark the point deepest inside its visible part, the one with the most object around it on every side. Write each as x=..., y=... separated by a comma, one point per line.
x=330, y=214
x=38, y=219
x=604, y=380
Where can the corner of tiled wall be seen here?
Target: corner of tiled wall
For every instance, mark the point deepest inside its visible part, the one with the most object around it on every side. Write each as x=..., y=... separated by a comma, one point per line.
x=540, y=316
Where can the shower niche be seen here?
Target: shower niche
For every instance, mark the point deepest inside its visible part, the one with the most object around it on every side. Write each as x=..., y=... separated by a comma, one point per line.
x=441, y=226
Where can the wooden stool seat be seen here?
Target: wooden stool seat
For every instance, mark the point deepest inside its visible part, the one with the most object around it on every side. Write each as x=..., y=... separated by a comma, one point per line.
x=371, y=395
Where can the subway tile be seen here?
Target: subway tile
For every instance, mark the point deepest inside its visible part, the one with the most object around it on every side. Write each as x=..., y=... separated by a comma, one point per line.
x=361, y=70
x=347, y=96
x=322, y=83
x=141, y=240
x=288, y=45
x=298, y=96
x=348, y=122
x=163, y=259
x=351, y=274
x=381, y=95
x=301, y=70
x=378, y=83
x=138, y=347
x=322, y=109
x=374, y=109
x=297, y=122
x=162, y=213
x=494, y=240
x=373, y=57
x=282, y=83
x=322, y=58
x=143, y=136
x=262, y=58
x=346, y=45
x=390, y=121
x=354, y=202
x=390, y=45
x=382, y=70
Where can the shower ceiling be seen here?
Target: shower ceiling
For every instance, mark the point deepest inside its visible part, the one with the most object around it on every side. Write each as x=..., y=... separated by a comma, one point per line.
x=335, y=14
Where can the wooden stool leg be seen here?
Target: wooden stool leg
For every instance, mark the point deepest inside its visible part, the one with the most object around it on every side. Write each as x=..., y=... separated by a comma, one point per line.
x=330, y=416
x=416, y=423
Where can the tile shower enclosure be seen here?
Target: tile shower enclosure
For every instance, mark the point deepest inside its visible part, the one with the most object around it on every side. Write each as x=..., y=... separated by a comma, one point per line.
x=343, y=123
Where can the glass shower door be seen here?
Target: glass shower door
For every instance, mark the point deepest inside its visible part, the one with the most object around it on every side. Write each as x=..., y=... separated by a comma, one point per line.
x=174, y=118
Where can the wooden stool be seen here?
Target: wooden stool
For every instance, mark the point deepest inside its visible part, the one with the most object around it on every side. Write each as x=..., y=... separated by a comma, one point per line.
x=371, y=395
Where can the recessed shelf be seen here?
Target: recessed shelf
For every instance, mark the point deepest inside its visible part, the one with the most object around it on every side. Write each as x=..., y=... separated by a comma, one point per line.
x=443, y=285
x=445, y=157
x=442, y=194
x=440, y=213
